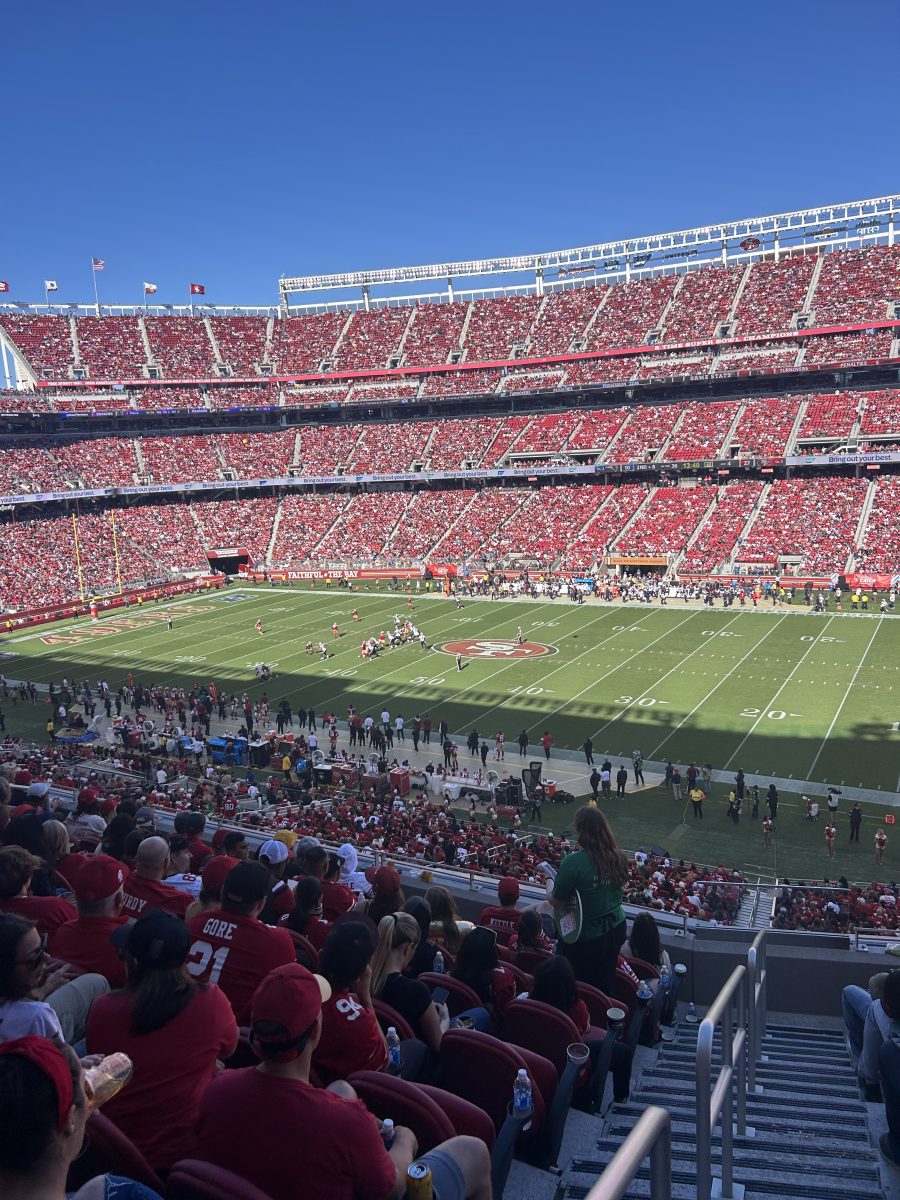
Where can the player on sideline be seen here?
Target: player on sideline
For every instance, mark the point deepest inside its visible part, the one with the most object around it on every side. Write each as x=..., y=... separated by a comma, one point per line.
x=457, y=601
x=259, y=627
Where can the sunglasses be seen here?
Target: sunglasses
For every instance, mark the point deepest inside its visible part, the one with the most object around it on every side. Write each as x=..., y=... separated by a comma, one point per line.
x=36, y=956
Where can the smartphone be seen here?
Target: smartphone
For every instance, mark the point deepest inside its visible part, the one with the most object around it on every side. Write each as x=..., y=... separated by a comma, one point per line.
x=439, y=995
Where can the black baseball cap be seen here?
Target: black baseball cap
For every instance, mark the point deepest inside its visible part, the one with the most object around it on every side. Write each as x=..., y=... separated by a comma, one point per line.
x=247, y=883
x=157, y=939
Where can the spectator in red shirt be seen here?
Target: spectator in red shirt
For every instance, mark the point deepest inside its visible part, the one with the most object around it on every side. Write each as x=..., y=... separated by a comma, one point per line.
x=231, y=947
x=58, y=852
x=352, y=1039
x=273, y=855
x=171, y=1027
x=144, y=889
x=306, y=915
x=342, y=1155
x=505, y=919
x=86, y=942
x=191, y=825
x=17, y=866
x=336, y=898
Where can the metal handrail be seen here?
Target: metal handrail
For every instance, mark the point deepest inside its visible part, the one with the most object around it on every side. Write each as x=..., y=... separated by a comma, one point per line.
x=757, y=984
x=651, y=1135
x=718, y=1099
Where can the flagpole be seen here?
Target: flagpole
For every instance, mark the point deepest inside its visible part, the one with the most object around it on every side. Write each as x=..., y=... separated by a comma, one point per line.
x=96, y=293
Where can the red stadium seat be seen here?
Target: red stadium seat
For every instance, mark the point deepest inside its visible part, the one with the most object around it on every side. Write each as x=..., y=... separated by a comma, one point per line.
x=192, y=1179
x=388, y=1016
x=461, y=996
x=107, y=1150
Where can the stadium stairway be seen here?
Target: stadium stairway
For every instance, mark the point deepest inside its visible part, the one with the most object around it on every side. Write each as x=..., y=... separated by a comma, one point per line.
x=807, y=1128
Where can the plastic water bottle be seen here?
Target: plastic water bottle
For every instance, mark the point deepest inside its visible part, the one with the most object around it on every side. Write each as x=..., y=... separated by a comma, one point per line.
x=387, y=1132
x=522, y=1093
x=393, y=1045
x=664, y=979
x=644, y=992
x=439, y=963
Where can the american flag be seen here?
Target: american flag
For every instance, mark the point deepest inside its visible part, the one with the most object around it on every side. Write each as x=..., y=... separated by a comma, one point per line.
x=98, y=264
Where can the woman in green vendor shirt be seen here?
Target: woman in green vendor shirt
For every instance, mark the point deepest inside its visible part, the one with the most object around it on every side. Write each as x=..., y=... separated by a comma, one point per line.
x=597, y=871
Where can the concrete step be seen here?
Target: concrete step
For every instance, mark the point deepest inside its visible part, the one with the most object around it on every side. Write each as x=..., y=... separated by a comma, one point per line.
x=843, y=1097
x=799, y=1125
x=853, y=1178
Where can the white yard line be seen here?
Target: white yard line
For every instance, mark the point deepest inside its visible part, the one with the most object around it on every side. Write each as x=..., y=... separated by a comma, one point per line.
x=613, y=669
x=799, y=663
x=655, y=751
x=842, y=703
x=657, y=682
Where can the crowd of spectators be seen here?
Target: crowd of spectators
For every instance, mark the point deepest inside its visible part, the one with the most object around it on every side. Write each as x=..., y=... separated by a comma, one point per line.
x=666, y=522
x=838, y=349
x=372, y=338
x=242, y=342
x=718, y=539
x=701, y=431
x=434, y=333
x=881, y=549
x=111, y=347
x=497, y=326
x=702, y=303
x=773, y=294
x=855, y=286
x=181, y=346
x=630, y=312
x=880, y=413
x=814, y=519
x=835, y=906
x=829, y=416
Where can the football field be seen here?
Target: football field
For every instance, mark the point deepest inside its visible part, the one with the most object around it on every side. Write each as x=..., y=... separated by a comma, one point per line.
x=780, y=693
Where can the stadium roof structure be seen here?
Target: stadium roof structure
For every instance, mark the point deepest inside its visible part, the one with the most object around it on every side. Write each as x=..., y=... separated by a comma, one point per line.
x=827, y=227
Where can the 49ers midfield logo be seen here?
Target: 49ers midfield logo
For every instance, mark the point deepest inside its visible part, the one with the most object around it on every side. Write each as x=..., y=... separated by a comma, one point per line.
x=486, y=648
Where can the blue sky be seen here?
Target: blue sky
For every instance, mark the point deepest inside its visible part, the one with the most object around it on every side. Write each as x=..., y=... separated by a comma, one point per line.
x=229, y=143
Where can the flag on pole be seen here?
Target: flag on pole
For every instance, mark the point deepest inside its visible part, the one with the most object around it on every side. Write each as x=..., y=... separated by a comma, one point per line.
x=4, y=286
x=50, y=285
x=98, y=263
x=149, y=289
x=198, y=289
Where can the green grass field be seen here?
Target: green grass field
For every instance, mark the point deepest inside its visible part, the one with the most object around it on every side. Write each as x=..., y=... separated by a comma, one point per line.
x=784, y=693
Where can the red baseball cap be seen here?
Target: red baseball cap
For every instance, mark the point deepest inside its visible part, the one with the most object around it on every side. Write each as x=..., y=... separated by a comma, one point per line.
x=508, y=888
x=215, y=873
x=289, y=996
x=108, y=806
x=384, y=879
x=219, y=837
x=99, y=877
